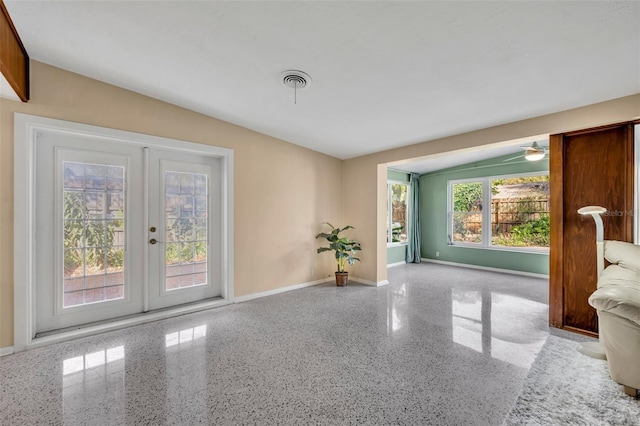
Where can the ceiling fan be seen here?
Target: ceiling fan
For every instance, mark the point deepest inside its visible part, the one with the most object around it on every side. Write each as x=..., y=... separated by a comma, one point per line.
x=534, y=152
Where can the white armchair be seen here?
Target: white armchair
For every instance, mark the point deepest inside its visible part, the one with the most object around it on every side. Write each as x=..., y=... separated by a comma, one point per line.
x=617, y=300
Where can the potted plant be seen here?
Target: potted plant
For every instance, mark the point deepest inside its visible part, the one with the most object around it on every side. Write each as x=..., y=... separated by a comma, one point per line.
x=344, y=249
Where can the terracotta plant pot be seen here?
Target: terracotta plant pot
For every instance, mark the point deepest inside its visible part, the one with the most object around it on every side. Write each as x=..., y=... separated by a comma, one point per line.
x=342, y=278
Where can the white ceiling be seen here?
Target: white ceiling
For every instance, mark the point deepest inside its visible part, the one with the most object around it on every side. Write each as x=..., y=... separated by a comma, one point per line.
x=385, y=74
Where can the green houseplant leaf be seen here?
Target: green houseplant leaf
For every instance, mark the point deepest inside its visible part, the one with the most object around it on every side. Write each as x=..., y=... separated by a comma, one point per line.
x=343, y=247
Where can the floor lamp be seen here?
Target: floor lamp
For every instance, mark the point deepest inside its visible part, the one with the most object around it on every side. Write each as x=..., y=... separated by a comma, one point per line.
x=596, y=349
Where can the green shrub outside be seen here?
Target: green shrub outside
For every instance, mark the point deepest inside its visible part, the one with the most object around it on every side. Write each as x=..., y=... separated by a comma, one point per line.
x=99, y=235
x=534, y=233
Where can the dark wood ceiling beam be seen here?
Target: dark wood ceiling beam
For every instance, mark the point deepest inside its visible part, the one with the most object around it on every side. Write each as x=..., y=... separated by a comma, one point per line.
x=14, y=60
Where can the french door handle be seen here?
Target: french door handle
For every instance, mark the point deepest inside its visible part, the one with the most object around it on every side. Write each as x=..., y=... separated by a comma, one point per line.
x=154, y=241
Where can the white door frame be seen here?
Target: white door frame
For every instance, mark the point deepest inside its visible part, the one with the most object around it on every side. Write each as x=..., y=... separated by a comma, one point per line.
x=636, y=212
x=26, y=128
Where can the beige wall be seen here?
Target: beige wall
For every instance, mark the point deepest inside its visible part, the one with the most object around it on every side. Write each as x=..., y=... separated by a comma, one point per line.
x=363, y=203
x=282, y=192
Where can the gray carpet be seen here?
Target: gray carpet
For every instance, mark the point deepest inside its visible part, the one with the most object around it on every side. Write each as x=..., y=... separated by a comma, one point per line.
x=566, y=388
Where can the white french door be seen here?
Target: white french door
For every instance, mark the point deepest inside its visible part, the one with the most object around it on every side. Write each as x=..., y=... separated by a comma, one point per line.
x=184, y=231
x=122, y=229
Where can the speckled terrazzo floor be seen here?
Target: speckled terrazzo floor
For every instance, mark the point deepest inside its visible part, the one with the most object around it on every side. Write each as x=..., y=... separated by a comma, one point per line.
x=439, y=345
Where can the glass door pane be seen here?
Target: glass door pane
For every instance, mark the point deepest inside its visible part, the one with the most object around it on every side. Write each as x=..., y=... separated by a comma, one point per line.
x=186, y=230
x=94, y=233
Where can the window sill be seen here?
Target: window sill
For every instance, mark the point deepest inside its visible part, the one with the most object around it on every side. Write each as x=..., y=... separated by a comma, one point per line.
x=397, y=244
x=527, y=250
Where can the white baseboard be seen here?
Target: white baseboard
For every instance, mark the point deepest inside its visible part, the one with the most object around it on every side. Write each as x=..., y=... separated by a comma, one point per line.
x=487, y=268
x=8, y=350
x=239, y=299
x=246, y=297
x=367, y=282
x=391, y=265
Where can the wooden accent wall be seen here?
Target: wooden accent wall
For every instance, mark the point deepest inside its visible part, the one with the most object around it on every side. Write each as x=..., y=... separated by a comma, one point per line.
x=589, y=167
x=14, y=60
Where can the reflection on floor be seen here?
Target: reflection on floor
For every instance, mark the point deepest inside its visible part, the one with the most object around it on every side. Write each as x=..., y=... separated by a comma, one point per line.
x=439, y=345
x=483, y=321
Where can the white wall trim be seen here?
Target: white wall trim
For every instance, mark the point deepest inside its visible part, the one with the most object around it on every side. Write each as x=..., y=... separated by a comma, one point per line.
x=487, y=268
x=246, y=297
x=26, y=128
x=23, y=224
x=393, y=265
x=8, y=350
x=370, y=283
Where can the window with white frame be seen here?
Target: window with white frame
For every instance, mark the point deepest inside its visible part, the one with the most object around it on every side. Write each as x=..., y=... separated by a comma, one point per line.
x=515, y=208
x=467, y=198
x=397, y=212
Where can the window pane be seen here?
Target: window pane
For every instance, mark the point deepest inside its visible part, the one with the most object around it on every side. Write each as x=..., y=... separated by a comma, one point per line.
x=467, y=227
x=520, y=212
x=467, y=212
x=73, y=175
x=185, y=236
x=397, y=192
x=93, y=239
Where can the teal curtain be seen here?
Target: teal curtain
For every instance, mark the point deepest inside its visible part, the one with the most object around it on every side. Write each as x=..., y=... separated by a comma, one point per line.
x=413, y=249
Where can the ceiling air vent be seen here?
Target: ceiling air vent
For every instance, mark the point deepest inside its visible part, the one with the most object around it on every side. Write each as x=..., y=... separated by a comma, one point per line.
x=295, y=80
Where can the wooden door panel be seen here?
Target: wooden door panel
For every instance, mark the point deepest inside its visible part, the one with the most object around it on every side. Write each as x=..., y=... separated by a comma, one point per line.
x=597, y=169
